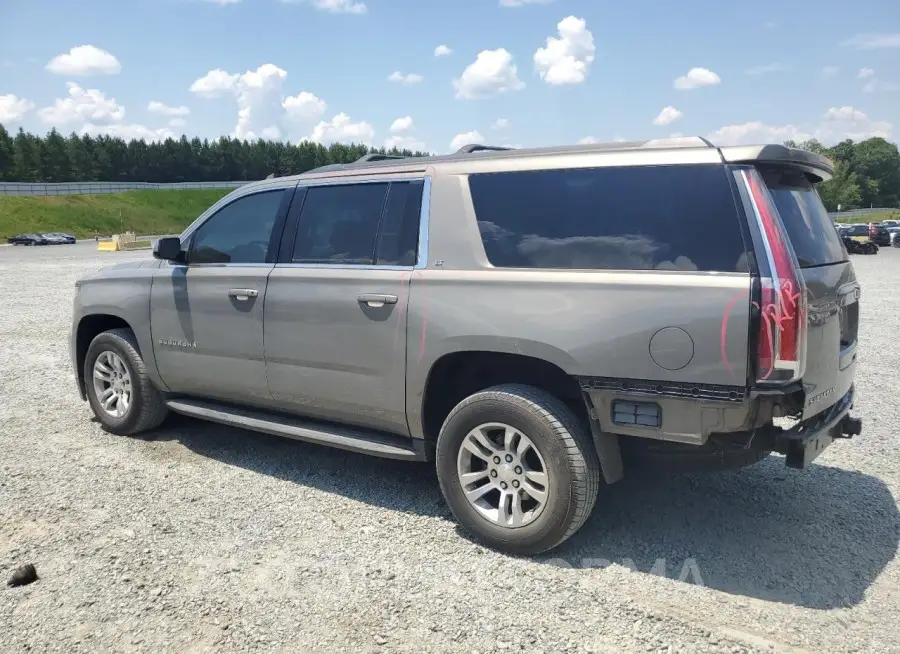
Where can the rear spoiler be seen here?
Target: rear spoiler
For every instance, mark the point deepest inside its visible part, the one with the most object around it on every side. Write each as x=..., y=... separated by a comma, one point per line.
x=820, y=168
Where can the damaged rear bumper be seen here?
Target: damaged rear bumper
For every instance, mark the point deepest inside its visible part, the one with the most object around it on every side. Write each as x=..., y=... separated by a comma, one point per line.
x=805, y=441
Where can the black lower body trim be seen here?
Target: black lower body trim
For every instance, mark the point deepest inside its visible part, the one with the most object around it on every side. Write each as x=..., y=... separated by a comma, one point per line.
x=715, y=392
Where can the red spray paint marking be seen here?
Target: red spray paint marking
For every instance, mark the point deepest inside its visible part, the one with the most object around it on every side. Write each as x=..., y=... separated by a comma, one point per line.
x=723, y=332
x=424, y=320
x=401, y=314
x=772, y=315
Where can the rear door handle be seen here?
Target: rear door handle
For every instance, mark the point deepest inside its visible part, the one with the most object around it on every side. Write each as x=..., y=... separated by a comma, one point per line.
x=376, y=299
x=243, y=294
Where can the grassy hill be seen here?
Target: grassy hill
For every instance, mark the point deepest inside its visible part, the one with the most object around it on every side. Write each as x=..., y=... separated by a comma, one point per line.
x=142, y=212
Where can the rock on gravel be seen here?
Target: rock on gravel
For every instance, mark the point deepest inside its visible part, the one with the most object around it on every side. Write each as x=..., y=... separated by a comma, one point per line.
x=202, y=538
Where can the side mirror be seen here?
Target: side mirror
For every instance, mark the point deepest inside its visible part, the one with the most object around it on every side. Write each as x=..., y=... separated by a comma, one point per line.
x=168, y=248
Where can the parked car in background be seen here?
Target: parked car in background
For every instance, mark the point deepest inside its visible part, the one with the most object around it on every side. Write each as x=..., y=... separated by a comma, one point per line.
x=878, y=234
x=52, y=239
x=60, y=237
x=891, y=223
x=894, y=234
x=858, y=232
x=27, y=239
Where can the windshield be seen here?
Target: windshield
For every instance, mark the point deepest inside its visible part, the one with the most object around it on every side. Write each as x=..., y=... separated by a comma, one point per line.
x=808, y=225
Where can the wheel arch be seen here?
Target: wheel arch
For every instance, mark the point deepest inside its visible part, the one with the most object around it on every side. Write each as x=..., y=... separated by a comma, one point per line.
x=89, y=327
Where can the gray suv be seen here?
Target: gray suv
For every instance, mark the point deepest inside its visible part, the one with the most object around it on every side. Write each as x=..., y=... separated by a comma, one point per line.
x=535, y=322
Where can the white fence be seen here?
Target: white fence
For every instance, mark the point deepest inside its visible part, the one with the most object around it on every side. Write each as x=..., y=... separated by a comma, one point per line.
x=90, y=188
x=857, y=213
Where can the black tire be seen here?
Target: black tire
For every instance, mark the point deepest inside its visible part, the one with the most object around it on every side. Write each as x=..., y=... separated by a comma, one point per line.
x=148, y=407
x=563, y=442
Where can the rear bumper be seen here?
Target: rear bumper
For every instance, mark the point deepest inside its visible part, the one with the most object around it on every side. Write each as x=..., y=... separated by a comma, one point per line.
x=805, y=441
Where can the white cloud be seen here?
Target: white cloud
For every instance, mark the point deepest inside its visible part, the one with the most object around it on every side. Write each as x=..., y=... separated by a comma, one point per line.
x=128, y=132
x=156, y=107
x=402, y=142
x=837, y=124
x=830, y=71
x=401, y=137
x=402, y=125
x=876, y=86
x=567, y=59
x=872, y=41
x=442, y=51
x=587, y=140
x=492, y=72
x=765, y=69
x=304, y=106
x=401, y=78
x=177, y=122
x=223, y=2
x=697, y=77
x=257, y=93
x=334, y=6
x=667, y=116
x=85, y=60
x=270, y=133
x=214, y=84
x=341, y=129
x=89, y=105
x=465, y=138
x=500, y=123
x=13, y=108
x=865, y=73
x=522, y=3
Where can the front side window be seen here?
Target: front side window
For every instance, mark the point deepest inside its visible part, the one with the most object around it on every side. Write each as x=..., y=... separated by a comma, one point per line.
x=239, y=232
x=617, y=218
x=339, y=224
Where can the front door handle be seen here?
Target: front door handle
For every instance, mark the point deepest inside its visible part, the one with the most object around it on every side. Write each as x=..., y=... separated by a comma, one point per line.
x=243, y=294
x=376, y=300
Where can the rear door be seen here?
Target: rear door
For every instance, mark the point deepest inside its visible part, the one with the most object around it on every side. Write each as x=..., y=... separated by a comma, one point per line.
x=336, y=305
x=832, y=288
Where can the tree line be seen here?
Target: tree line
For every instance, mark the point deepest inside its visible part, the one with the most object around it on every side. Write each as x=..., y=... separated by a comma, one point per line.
x=867, y=173
x=27, y=157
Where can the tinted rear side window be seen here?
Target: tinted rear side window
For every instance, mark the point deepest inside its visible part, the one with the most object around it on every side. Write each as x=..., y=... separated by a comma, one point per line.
x=339, y=224
x=621, y=218
x=805, y=218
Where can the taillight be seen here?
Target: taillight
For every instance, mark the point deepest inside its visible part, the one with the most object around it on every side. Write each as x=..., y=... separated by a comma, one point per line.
x=781, y=356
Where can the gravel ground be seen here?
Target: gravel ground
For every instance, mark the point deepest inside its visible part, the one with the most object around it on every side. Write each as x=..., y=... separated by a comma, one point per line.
x=204, y=538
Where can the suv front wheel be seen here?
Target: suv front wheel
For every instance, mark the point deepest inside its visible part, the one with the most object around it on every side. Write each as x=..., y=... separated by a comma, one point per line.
x=518, y=469
x=118, y=387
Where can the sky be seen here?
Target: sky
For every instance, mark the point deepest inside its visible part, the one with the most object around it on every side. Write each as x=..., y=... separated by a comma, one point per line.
x=436, y=74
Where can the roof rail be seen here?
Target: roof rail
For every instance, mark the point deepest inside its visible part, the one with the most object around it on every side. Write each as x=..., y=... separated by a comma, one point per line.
x=680, y=142
x=477, y=147
x=375, y=156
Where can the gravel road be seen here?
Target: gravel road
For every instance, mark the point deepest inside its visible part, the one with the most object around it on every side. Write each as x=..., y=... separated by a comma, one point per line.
x=204, y=538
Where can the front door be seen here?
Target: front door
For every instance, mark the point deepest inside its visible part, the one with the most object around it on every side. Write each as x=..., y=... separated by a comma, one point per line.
x=206, y=316
x=336, y=306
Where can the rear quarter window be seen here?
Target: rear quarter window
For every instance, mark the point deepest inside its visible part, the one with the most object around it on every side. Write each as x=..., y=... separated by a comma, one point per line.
x=809, y=227
x=619, y=218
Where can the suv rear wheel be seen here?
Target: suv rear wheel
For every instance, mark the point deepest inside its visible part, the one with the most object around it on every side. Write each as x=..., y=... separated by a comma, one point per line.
x=118, y=387
x=518, y=469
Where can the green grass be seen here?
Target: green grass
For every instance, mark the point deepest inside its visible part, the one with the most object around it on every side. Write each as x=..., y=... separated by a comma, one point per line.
x=142, y=212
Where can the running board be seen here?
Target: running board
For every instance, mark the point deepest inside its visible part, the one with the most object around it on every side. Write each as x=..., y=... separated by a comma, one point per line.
x=345, y=438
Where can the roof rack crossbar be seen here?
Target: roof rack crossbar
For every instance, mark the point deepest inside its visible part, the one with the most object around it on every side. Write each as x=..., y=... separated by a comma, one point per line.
x=477, y=147
x=375, y=156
